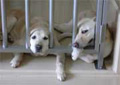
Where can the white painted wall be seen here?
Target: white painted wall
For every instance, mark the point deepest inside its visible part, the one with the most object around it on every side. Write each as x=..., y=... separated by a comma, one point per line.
x=63, y=8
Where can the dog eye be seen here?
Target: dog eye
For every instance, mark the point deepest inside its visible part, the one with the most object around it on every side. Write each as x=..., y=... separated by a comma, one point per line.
x=84, y=31
x=33, y=37
x=45, y=38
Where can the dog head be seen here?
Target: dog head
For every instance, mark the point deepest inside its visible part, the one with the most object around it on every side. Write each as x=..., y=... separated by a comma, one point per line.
x=39, y=40
x=85, y=35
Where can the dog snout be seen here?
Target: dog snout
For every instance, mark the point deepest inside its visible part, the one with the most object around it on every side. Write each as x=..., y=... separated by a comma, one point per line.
x=38, y=48
x=76, y=45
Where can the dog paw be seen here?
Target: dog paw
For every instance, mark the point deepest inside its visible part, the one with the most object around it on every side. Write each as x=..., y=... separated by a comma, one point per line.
x=74, y=58
x=15, y=64
x=76, y=53
x=87, y=60
x=61, y=76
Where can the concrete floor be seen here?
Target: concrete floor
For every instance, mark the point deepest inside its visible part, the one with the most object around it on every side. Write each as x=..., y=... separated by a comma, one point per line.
x=51, y=80
x=41, y=71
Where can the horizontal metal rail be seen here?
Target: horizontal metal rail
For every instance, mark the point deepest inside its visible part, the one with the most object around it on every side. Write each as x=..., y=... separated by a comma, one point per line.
x=59, y=49
x=22, y=49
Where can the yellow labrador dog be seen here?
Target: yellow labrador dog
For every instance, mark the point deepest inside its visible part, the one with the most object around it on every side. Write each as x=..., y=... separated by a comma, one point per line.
x=85, y=35
x=39, y=41
x=12, y=18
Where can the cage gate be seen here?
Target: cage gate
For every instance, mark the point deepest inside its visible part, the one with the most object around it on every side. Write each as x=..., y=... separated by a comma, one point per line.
x=101, y=14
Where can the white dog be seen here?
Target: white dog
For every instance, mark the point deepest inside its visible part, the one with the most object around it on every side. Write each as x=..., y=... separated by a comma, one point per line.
x=39, y=41
x=85, y=36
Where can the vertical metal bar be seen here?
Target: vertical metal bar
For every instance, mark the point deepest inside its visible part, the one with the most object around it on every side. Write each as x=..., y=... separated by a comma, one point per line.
x=98, y=30
x=51, y=22
x=101, y=49
x=3, y=18
x=105, y=12
x=98, y=24
x=103, y=34
x=74, y=19
x=27, y=23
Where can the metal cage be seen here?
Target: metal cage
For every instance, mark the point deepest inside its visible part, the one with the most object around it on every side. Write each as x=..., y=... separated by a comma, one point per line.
x=99, y=35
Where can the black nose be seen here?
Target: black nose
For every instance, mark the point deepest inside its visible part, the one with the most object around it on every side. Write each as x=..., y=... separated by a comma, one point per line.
x=38, y=48
x=76, y=45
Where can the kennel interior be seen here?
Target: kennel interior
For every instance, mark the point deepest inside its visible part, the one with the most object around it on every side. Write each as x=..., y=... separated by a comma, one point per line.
x=63, y=12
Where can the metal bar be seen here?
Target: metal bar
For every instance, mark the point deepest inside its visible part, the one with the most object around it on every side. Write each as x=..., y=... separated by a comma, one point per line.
x=15, y=49
x=98, y=24
x=105, y=12
x=58, y=49
x=74, y=19
x=4, y=28
x=51, y=22
x=27, y=23
x=101, y=53
x=103, y=34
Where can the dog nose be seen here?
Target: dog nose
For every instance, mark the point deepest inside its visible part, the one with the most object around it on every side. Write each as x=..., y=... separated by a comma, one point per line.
x=76, y=44
x=38, y=48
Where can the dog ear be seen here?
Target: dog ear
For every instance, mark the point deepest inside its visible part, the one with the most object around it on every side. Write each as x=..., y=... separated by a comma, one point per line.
x=82, y=22
x=32, y=32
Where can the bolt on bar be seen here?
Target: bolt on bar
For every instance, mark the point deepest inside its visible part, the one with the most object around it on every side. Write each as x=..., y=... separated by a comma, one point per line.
x=51, y=22
x=4, y=29
x=74, y=19
x=103, y=33
x=27, y=23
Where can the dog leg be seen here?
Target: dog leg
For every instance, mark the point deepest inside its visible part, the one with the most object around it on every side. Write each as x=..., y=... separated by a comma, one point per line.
x=60, y=61
x=60, y=67
x=15, y=62
x=88, y=58
x=76, y=53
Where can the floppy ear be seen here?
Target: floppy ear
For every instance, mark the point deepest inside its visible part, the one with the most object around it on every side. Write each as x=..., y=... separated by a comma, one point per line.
x=32, y=31
x=82, y=21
